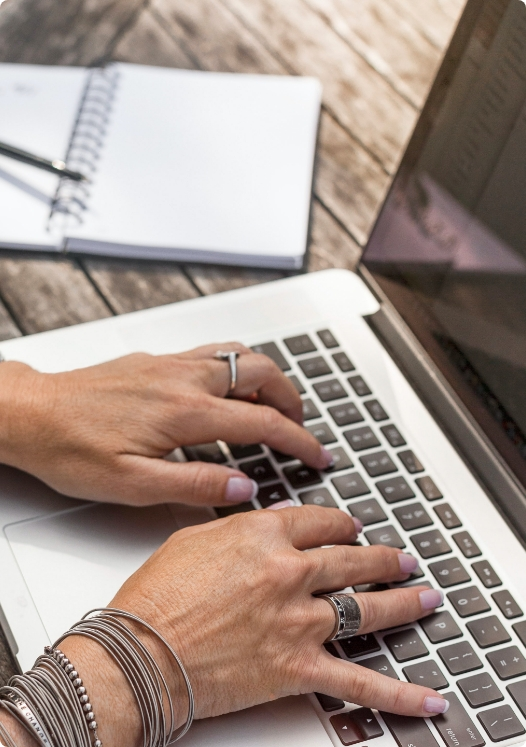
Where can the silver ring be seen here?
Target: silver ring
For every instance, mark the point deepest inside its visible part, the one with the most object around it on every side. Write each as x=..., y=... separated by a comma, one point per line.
x=348, y=616
x=231, y=357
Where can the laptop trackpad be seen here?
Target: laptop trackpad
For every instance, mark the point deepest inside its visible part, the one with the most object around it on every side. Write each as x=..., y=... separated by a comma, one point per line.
x=76, y=560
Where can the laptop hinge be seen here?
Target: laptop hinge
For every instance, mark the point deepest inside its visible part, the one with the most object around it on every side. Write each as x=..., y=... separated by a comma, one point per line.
x=446, y=407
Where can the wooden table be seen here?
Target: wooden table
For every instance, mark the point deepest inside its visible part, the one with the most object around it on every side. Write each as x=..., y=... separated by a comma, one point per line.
x=375, y=58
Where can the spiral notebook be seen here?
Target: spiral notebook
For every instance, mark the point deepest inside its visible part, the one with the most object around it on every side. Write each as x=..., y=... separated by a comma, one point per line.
x=183, y=165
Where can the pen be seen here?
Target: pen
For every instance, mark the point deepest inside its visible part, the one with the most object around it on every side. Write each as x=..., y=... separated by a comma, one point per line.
x=57, y=166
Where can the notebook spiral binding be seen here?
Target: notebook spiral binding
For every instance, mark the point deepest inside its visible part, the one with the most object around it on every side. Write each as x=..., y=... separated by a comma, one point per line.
x=85, y=145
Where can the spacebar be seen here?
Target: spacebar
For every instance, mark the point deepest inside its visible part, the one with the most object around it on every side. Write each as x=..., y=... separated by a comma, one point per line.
x=409, y=732
x=455, y=727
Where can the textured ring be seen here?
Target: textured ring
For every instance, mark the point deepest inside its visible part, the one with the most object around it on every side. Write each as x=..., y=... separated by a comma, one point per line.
x=348, y=616
x=231, y=357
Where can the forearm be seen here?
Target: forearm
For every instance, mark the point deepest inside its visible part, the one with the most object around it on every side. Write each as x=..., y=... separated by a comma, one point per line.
x=16, y=732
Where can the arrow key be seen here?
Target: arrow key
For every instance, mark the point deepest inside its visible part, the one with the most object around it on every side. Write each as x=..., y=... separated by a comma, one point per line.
x=366, y=723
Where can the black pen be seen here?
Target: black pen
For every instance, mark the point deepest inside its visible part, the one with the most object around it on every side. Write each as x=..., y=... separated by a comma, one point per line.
x=55, y=167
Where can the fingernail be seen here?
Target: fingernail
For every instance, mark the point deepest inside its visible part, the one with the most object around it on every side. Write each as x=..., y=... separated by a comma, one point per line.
x=436, y=705
x=431, y=598
x=408, y=563
x=358, y=525
x=240, y=489
x=328, y=459
x=281, y=504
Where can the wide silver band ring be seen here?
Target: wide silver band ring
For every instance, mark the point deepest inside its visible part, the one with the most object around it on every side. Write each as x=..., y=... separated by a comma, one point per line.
x=348, y=616
x=231, y=357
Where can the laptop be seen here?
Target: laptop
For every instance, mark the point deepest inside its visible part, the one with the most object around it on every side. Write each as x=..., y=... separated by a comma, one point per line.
x=412, y=372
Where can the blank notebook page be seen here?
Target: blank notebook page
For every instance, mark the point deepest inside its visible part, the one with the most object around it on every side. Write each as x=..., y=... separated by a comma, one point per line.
x=217, y=164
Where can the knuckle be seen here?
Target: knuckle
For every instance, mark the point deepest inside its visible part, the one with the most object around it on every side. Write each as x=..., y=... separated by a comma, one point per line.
x=270, y=419
x=361, y=687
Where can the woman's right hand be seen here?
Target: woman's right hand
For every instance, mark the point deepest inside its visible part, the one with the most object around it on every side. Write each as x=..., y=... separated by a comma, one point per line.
x=235, y=599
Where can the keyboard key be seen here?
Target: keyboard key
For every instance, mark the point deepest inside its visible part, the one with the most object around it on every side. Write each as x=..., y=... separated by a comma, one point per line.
x=367, y=724
x=385, y=536
x=375, y=410
x=329, y=390
x=239, y=508
x=393, y=435
x=488, y=631
x=428, y=487
x=449, y=572
x=430, y=544
x=301, y=476
x=405, y=645
x=313, y=367
x=518, y=693
x=395, y=489
x=345, y=414
x=368, y=511
x=455, y=726
x=409, y=732
x=310, y=411
x=297, y=384
x=447, y=516
x=343, y=362
x=328, y=703
x=480, y=690
x=413, y=516
x=377, y=464
x=242, y=451
x=259, y=470
x=272, y=350
x=300, y=345
x=205, y=453
x=460, y=658
x=468, y=601
x=379, y=664
x=327, y=338
x=507, y=662
x=359, y=386
x=359, y=645
x=346, y=730
x=501, y=723
x=440, y=627
x=361, y=438
x=427, y=674
x=467, y=546
x=340, y=459
x=331, y=649
x=520, y=629
x=318, y=497
x=282, y=458
x=486, y=574
x=350, y=486
x=270, y=494
x=506, y=604
x=410, y=461
x=322, y=432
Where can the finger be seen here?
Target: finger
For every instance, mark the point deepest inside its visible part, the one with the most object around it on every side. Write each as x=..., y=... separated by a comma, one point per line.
x=356, y=684
x=207, y=352
x=149, y=481
x=314, y=526
x=341, y=566
x=387, y=609
x=235, y=421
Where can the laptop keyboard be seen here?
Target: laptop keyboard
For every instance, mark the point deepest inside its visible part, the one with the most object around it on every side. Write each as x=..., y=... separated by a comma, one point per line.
x=476, y=645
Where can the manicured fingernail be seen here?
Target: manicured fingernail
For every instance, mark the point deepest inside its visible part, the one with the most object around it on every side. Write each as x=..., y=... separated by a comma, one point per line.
x=240, y=489
x=408, y=563
x=358, y=525
x=436, y=705
x=328, y=459
x=281, y=504
x=431, y=598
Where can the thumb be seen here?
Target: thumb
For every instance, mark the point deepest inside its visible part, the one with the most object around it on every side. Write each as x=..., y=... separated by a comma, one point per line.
x=150, y=480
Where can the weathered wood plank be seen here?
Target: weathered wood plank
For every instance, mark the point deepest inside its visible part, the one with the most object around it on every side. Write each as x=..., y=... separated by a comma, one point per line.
x=8, y=327
x=435, y=18
x=214, y=279
x=360, y=99
x=331, y=245
x=130, y=286
x=46, y=294
x=69, y=32
x=382, y=36
x=7, y=664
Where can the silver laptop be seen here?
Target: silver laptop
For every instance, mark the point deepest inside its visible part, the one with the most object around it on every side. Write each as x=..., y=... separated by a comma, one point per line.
x=413, y=372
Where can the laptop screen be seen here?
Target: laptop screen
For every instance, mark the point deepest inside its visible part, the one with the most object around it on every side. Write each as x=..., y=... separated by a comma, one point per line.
x=449, y=247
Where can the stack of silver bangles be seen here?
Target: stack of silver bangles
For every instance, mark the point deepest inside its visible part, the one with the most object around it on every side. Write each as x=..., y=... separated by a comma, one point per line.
x=51, y=703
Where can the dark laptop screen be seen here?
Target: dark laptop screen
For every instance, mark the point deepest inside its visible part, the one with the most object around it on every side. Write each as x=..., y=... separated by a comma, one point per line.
x=449, y=247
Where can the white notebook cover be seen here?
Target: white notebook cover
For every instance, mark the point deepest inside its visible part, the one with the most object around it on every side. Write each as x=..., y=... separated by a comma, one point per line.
x=191, y=166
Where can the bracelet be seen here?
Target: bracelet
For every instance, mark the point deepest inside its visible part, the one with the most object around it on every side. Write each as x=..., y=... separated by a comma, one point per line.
x=35, y=728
